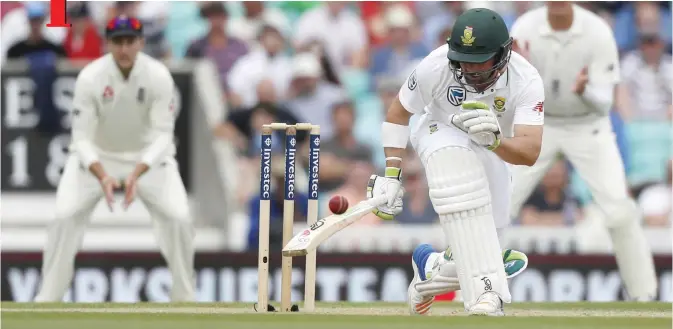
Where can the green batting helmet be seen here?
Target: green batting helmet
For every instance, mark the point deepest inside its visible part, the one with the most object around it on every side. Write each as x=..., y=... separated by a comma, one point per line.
x=479, y=35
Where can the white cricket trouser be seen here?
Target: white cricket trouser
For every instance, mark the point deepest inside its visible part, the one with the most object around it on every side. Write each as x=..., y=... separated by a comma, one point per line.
x=592, y=150
x=162, y=192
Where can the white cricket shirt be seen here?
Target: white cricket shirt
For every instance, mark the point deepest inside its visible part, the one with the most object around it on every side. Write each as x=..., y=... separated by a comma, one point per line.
x=517, y=97
x=560, y=56
x=127, y=119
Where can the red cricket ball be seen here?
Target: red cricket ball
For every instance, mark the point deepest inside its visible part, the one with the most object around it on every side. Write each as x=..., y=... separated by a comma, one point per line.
x=338, y=204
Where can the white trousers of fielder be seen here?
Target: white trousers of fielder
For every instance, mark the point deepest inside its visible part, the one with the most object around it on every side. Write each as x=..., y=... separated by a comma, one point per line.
x=592, y=150
x=162, y=192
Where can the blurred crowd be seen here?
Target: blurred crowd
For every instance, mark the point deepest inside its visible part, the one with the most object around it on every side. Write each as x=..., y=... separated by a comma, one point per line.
x=339, y=65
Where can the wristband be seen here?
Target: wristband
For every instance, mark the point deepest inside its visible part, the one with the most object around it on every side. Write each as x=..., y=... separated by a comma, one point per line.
x=394, y=159
x=393, y=172
x=394, y=135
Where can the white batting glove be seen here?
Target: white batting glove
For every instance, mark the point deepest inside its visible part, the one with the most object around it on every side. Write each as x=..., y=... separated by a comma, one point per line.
x=480, y=124
x=389, y=186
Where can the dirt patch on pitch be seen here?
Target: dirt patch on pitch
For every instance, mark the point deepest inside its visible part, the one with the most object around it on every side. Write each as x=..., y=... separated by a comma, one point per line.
x=375, y=311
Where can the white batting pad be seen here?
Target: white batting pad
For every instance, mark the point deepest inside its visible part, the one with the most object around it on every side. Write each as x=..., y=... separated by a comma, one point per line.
x=460, y=194
x=477, y=253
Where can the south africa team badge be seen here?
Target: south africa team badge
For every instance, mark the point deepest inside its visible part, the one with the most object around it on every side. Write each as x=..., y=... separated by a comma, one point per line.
x=499, y=104
x=433, y=128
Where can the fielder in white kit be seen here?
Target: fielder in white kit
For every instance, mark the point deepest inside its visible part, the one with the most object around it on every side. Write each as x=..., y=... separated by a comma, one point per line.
x=576, y=54
x=122, y=136
x=482, y=110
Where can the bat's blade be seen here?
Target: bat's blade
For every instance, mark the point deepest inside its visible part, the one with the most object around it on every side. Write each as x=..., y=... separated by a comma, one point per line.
x=310, y=238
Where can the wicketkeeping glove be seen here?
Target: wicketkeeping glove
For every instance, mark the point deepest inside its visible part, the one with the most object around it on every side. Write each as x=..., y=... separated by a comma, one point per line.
x=389, y=186
x=480, y=124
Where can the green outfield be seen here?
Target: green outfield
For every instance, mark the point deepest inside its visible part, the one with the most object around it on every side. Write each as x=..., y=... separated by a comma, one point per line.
x=331, y=316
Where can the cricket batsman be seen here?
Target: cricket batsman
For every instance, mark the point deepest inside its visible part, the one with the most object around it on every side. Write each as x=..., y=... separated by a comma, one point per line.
x=576, y=53
x=122, y=137
x=481, y=110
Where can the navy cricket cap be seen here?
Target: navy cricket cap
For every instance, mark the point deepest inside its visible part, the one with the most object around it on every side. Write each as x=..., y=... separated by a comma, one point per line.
x=124, y=26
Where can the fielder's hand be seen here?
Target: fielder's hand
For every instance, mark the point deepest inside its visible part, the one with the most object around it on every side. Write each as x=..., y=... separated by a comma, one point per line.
x=109, y=184
x=389, y=186
x=581, y=81
x=480, y=123
x=130, y=186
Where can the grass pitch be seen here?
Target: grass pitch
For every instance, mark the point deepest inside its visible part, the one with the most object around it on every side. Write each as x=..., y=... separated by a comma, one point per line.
x=331, y=316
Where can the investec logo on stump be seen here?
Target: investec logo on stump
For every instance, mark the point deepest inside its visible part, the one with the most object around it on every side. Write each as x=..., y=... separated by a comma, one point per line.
x=265, y=188
x=314, y=167
x=290, y=155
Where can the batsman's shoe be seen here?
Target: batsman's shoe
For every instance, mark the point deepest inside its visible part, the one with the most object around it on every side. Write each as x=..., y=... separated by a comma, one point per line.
x=419, y=304
x=435, y=274
x=489, y=304
x=515, y=262
x=432, y=276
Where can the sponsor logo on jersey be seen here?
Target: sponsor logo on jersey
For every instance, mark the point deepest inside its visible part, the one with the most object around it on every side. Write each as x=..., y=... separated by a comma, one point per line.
x=539, y=108
x=433, y=127
x=412, y=83
x=455, y=95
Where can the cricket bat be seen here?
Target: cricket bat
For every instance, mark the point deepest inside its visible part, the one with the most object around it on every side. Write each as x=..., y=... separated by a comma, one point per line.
x=309, y=239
